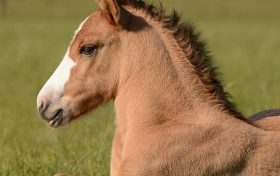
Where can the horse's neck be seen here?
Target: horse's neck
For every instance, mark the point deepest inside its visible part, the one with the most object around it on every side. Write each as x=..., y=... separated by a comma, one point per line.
x=162, y=84
x=156, y=94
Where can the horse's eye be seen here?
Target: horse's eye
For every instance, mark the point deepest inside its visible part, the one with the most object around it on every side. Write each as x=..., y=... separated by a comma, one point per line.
x=88, y=50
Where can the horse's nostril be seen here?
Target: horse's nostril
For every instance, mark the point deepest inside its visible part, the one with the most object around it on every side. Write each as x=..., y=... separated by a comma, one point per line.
x=43, y=108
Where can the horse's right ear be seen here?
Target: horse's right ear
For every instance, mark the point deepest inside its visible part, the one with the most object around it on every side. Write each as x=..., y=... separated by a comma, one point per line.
x=111, y=10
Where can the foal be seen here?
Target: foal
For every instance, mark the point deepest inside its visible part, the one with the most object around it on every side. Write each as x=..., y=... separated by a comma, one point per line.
x=173, y=117
x=267, y=120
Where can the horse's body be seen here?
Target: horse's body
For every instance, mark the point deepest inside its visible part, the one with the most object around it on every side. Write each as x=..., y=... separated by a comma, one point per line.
x=268, y=120
x=172, y=115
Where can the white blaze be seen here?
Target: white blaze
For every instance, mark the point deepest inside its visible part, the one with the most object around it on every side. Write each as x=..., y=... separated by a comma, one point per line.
x=52, y=91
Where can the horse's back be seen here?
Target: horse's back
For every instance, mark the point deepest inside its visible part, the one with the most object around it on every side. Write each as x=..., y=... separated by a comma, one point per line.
x=62, y=174
x=268, y=120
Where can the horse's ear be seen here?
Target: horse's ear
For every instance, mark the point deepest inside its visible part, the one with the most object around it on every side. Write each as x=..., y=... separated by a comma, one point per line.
x=111, y=10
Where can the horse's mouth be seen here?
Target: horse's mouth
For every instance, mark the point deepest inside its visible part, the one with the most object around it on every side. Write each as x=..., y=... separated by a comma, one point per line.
x=57, y=119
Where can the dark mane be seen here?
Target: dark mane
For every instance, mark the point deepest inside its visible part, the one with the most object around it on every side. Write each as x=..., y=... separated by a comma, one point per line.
x=195, y=50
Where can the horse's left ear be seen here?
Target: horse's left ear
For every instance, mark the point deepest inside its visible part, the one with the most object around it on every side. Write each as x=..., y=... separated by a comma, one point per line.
x=111, y=10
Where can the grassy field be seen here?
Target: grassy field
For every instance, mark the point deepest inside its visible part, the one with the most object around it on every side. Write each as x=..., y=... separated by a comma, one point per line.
x=243, y=35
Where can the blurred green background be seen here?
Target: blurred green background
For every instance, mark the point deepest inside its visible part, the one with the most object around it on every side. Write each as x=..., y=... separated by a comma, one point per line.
x=244, y=37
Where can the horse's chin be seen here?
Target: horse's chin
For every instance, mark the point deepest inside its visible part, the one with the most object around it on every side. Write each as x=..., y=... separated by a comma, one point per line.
x=61, y=118
x=56, y=123
x=65, y=111
x=60, y=113
x=59, y=122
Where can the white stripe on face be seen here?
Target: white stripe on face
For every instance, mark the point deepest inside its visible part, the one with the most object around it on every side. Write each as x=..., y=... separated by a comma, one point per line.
x=52, y=91
x=79, y=28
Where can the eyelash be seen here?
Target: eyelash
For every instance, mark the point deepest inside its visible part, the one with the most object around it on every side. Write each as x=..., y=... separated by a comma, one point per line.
x=88, y=50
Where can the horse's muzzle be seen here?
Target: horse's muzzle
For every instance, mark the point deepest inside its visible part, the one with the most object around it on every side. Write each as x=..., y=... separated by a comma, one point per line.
x=42, y=109
x=54, y=116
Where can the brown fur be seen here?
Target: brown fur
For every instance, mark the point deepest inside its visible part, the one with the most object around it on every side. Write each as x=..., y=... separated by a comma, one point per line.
x=268, y=120
x=268, y=123
x=173, y=116
x=61, y=174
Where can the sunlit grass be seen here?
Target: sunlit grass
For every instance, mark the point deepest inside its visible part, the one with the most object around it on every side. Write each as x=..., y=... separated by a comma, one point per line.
x=243, y=35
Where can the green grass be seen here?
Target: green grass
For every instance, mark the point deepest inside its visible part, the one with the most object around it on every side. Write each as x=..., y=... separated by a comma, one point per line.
x=243, y=35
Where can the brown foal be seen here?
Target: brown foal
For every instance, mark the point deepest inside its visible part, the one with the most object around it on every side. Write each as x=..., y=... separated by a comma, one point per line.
x=173, y=117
